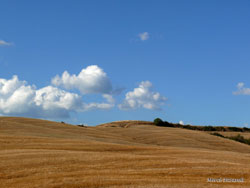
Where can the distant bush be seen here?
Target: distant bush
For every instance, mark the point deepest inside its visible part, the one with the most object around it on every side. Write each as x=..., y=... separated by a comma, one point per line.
x=245, y=129
x=217, y=134
x=178, y=125
x=189, y=127
x=240, y=138
x=209, y=128
x=235, y=129
x=158, y=122
x=237, y=138
x=220, y=128
x=81, y=125
x=167, y=124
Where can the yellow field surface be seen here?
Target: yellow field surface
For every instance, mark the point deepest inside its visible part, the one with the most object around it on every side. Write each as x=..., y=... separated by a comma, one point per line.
x=39, y=153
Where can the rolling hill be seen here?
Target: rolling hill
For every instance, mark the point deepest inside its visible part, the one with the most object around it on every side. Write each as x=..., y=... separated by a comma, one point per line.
x=40, y=153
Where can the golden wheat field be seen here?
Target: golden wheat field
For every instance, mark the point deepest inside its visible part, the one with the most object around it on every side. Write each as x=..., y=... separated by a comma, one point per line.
x=129, y=154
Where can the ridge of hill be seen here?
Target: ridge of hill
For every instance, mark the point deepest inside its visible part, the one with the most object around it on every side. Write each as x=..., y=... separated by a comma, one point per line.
x=126, y=123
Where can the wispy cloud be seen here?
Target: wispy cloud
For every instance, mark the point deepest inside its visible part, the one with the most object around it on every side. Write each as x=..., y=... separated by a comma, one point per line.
x=4, y=43
x=242, y=90
x=144, y=36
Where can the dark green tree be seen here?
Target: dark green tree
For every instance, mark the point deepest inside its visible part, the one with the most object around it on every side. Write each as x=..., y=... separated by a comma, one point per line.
x=158, y=122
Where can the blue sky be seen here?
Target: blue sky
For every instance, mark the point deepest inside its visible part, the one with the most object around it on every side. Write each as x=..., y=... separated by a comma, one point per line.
x=124, y=60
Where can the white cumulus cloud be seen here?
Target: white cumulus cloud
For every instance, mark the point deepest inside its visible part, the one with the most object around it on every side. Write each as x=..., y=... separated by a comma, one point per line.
x=52, y=98
x=90, y=80
x=181, y=122
x=4, y=43
x=15, y=96
x=242, y=90
x=18, y=98
x=143, y=97
x=144, y=36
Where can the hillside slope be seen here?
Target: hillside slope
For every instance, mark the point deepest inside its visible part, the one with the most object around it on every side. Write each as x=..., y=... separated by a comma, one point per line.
x=121, y=132
x=39, y=153
x=165, y=136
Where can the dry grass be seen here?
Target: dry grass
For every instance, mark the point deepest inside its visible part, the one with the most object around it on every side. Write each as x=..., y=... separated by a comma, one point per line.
x=37, y=153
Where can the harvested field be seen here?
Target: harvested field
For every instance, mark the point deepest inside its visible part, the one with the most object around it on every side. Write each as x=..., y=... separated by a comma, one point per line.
x=39, y=153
